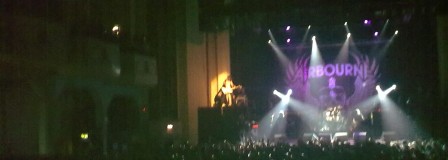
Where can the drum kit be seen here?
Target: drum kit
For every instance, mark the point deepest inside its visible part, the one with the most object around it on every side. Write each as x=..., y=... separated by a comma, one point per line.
x=333, y=119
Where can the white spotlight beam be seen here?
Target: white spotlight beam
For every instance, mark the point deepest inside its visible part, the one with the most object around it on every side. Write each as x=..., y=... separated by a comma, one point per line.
x=306, y=34
x=285, y=98
x=396, y=120
x=367, y=105
x=353, y=46
x=380, y=38
x=289, y=92
x=383, y=50
x=346, y=27
x=384, y=28
x=316, y=58
x=343, y=53
x=270, y=119
x=284, y=61
x=382, y=94
x=272, y=37
x=276, y=93
x=310, y=113
x=302, y=43
x=390, y=89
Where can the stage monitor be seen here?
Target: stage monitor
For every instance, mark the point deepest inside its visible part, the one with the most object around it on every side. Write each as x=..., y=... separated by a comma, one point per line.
x=340, y=136
x=360, y=136
x=309, y=137
x=325, y=137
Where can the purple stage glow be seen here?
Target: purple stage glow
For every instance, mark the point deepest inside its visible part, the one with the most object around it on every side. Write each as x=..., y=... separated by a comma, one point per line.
x=332, y=83
x=367, y=22
x=348, y=84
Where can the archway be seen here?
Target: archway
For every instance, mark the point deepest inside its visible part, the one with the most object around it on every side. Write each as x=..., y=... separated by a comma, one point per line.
x=73, y=129
x=122, y=125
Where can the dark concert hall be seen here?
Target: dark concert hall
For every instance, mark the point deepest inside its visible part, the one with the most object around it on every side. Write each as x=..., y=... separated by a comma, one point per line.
x=224, y=79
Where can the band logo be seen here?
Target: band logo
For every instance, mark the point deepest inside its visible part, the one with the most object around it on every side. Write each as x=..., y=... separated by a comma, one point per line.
x=358, y=76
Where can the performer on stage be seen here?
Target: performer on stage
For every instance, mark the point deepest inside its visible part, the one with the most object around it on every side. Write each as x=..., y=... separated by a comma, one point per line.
x=357, y=119
x=227, y=89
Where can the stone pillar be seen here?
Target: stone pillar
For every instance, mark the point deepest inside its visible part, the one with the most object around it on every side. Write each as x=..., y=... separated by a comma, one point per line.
x=43, y=129
x=218, y=62
x=442, y=44
x=205, y=59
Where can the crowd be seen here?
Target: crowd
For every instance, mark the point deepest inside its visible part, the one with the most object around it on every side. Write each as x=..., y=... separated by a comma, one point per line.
x=311, y=150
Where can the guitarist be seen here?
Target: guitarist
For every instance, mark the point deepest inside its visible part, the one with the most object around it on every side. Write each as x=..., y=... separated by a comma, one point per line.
x=227, y=89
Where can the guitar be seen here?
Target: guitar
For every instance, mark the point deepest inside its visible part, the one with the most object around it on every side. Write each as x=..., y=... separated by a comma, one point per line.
x=227, y=90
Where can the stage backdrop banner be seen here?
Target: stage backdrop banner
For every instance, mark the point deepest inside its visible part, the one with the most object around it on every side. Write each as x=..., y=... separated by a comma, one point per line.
x=333, y=84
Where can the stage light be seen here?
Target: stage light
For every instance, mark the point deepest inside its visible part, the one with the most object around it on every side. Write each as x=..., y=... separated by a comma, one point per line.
x=375, y=34
x=288, y=40
x=289, y=92
x=309, y=26
x=348, y=35
x=382, y=94
x=287, y=28
x=269, y=41
x=313, y=38
x=276, y=92
x=367, y=22
x=346, y=27
x=396, y=32
x=285, y=98
x=390, y=89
